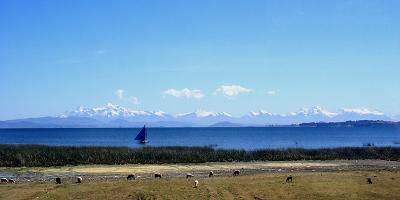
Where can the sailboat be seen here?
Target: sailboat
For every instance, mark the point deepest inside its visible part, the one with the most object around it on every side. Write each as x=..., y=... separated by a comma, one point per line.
x=142, y=136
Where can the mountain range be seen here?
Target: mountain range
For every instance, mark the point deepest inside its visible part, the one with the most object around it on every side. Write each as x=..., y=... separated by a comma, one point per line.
x=117, y=116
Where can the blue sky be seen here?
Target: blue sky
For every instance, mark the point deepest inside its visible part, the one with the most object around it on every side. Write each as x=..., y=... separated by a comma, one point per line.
x=233, y=56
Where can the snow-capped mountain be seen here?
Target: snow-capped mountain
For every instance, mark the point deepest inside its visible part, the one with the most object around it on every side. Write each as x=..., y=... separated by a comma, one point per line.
x=117, y=116
x=316, y=111
x=204, y=117
x=258, y=117
x=314, y=114
x=112, y=112
x=360, y=114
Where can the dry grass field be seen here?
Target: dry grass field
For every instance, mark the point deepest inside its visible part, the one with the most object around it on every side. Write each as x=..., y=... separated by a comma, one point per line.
x=306, y=185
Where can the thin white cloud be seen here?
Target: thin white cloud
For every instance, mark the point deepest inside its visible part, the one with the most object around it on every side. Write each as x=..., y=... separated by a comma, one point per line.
x=186, y=92
x=273, y=92
x=232, y=90
x=100, y=52
x=134, y=100
x=120, y=93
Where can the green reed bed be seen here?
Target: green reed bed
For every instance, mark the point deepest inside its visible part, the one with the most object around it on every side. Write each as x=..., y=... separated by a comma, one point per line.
x=43, y=156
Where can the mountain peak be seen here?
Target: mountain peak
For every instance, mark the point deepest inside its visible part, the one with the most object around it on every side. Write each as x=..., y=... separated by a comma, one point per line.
x=160, y=113
x=111, y=106
x=80, y=108
x=259, y=113
x=361, y=111
x=316, y=110
x=204, y=114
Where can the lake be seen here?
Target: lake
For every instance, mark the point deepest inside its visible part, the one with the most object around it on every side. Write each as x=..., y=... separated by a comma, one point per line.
x=228, y=138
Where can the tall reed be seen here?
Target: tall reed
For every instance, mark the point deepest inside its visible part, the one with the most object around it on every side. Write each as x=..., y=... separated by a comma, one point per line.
x=43, y=156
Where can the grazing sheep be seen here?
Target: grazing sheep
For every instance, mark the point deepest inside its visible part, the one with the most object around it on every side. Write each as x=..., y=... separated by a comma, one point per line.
x=131, y=177
x=236, y=173
x=58, y=180
x=211, y=174
x=189, y=175
x=289, y=179
x=369, y=180
x=79, y=180
x=196, y=183
x=4, y=180
x=157, y=175
x=11, y=181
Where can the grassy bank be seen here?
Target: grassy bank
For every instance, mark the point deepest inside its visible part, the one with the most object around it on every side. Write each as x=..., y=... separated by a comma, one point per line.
x=43, y=156
x=306, y=185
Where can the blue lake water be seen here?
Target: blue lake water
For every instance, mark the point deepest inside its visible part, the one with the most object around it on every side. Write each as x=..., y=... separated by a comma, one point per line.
x=228, y=138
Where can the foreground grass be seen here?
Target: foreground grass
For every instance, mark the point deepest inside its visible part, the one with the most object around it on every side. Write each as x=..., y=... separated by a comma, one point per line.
x=45, y=156
x=306, y=185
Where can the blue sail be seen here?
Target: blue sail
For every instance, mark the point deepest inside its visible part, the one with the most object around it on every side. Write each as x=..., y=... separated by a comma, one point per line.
x=142, y=136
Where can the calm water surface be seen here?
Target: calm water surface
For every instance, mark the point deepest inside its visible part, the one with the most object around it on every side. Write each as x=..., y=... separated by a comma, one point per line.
x=231, y=138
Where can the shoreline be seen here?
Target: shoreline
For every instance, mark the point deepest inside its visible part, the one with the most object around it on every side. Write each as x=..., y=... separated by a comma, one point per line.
x=95, y=173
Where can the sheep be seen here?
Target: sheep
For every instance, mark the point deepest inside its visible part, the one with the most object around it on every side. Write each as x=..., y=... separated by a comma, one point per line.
x=189, y=175
x=157, y=175
x=289, y=179
x=11, y=181
x=369, y=180
x=58, y=180
x=236, y=173
x=131, y=177
x=211, y=174
x=3, y=180
x=79, y=180
x=196, y=183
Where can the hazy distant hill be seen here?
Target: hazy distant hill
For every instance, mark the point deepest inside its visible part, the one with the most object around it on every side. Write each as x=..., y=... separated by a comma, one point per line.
x=52, y=122
x=225, y=124
x=360, y=123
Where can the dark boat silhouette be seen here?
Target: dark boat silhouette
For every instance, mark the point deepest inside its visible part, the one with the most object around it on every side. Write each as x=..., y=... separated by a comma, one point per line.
x=142, y=136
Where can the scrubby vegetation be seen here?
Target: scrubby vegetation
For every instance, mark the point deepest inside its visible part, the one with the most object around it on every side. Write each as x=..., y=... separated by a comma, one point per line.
x=44, y=156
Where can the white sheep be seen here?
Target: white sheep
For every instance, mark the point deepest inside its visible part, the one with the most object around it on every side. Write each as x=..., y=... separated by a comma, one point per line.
x=4, y=180
x=196, y=183
x=189, y=175
x=79, y=180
